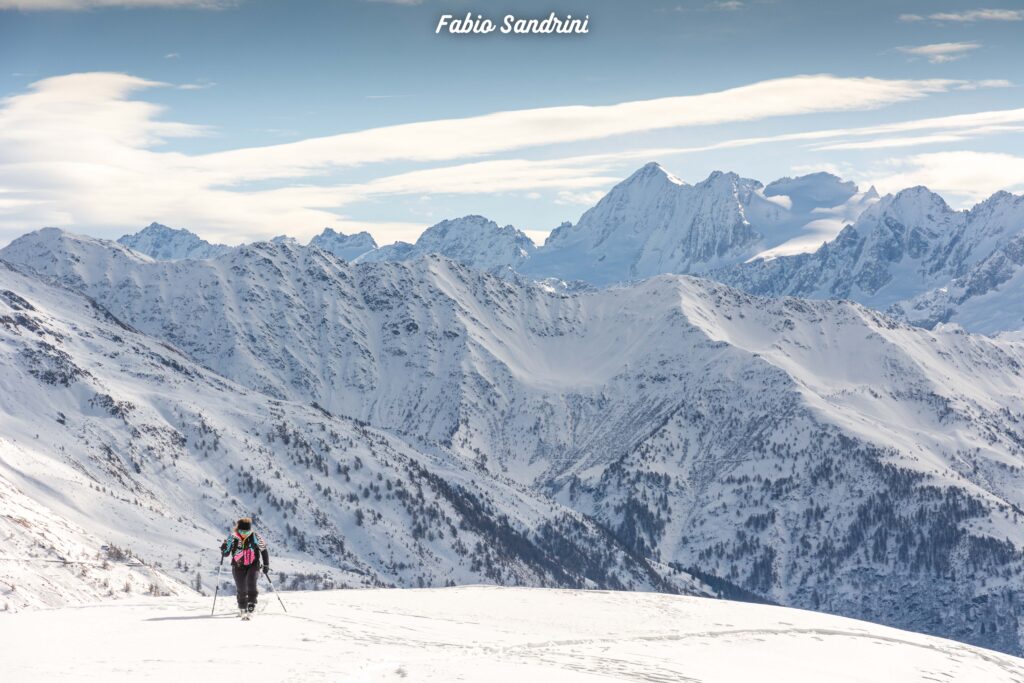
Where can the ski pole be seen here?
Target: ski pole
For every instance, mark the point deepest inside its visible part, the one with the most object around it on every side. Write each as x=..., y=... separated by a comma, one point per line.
x=274, y=590
x=216, y=588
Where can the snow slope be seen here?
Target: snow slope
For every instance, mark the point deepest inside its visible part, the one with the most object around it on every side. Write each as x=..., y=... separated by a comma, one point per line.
x=481, y=634
x=109, y=437
x=814, y=453
x=47, y=560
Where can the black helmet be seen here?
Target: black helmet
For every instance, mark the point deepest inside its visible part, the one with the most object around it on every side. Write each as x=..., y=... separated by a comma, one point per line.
x=244, y=524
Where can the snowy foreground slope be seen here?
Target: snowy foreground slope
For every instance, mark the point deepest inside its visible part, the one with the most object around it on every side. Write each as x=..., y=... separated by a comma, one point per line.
x=481, y=634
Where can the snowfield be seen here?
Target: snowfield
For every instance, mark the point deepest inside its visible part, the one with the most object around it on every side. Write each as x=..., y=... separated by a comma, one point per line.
x=479, y=634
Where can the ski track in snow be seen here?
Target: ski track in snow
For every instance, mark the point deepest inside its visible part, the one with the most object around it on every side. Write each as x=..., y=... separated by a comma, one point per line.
x=479, y=633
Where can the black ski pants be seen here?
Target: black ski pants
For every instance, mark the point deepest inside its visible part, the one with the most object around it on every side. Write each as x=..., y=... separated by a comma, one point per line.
x=245, y=583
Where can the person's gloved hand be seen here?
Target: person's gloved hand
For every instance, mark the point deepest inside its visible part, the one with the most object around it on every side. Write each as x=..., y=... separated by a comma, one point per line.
x=266, y=569
x=223, y=547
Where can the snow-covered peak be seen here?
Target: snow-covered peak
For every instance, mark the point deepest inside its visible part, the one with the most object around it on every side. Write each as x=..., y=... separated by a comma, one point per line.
x=347, y=247
x=476, y=235
x=167, y=244
x=473, y=240
x=912, y=221
x=727, y=179
x=1002, y=213
x=652, y=223
x=913, y=205
x=650, y=173
x=82, y=258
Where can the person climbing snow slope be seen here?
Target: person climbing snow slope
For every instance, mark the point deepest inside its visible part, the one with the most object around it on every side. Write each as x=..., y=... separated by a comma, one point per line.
x=248, y=552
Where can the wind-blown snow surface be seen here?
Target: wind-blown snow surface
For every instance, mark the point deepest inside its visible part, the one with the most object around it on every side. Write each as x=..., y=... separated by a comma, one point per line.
x=481, y=634
x=108, y=434
x=815, y=453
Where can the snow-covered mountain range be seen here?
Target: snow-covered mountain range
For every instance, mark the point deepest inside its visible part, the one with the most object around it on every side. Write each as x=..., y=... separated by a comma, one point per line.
x=813, y=453
x=114, y=439
x=653, y=223
x=987, y=296
x=814, y=236
x=901, y=247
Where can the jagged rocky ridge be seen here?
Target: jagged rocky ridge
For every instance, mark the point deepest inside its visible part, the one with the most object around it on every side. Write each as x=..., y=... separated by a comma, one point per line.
x=813, y=453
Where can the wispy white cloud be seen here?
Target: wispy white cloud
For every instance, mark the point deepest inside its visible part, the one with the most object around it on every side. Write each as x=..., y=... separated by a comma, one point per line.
x=584, y=198
x=969, y=15
x=938, y=53
x=172, y=55
x=976, y=121
x=82, y=150
x=82, y=114
x=918, y=140
x=987, y=83
x=969, y=175
x=198, y=85
x=714, y=6
x=509, y=130
x=77, y=5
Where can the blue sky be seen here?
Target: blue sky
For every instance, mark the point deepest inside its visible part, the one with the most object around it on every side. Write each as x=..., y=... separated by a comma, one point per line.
x=248, y=119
